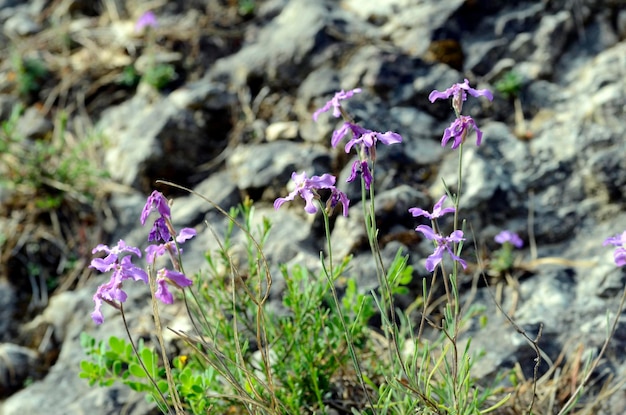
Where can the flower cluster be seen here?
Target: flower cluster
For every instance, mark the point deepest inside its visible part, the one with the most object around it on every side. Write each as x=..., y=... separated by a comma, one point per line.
x=362, y=139
x=442, y=243
x=123, y=269
x=509, y=237
x=457, y=131
x=463, y=124
x=307, y=188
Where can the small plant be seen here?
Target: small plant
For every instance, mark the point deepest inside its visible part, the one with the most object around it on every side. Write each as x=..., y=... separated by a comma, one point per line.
x=158, y=75
x=29, y=74
x=509, y=85
x=246, y=8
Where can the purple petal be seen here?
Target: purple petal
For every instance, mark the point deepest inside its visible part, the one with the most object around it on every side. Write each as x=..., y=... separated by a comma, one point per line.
x=389, y=138
x=156, y=201
x=325, y=181
x=185, y=234
x=339, y=134
x=435, y=95
x=97, y=316
x=163, y=293
x=428, y=232
x=178, y=278
x=434, y=259
x=308, y=197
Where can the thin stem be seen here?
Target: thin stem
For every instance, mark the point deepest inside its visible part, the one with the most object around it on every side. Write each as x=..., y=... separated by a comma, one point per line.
x=329, y=272
x=159, y=332
x=141, y=363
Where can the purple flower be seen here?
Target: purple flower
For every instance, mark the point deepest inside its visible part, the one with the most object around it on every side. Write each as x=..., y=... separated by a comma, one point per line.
x=510, y=237
x=442, y=245
x=339, y=134
x=159, y=231
x=370, y=138
x=363, y=136
x=437, y=210
x=112, y=292
x=108, y=262
x=156, y=202
x=337, y=196
x=459, y=129
x=361, y=167
x=459, y=92
x=148, y=19
x=335, y=103
x=167, y=277
x=305, y=188
x=619, y=255
x=155, y=251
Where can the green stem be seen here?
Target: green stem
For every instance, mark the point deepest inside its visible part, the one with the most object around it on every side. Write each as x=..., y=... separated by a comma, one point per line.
x=329, y=272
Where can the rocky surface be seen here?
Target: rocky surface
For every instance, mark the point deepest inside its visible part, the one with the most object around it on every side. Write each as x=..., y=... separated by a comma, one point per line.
x=241, y=123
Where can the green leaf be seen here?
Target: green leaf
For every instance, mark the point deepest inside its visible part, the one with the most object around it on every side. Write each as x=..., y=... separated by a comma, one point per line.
x=87, y=342
x=150, y=361
x=136, y=370
x=117, y=345
x=163, y=386
x=116, y=368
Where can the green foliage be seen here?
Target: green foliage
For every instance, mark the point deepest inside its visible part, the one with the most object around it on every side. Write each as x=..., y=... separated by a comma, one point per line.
x=502, y=259
x=29, y=74
x=247, y=8
x=159, y=75
x=129, y=77
x=50, y=170
x=509, y=85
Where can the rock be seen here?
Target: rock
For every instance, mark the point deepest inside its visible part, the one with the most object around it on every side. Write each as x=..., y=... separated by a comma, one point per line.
x=287, y=130
x=17, y=364
x=163, y=140
x=7, y=310
x=20, y=24
x=257, y=166
x=301, y=22
x=33, y=125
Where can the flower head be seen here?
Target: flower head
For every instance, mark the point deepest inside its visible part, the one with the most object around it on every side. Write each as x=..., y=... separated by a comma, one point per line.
x=437, y=212
x=459, y=129
x=335, y=103
x=361, y=167
x=306, y=189
x=337, y=196
x=156, y=202
x=510, y=237
x=108, y=262
x=442, y=244
x=362, y=136
x=619, y=241
x=459, y=92
x=112, y=292
x=148, y=19
x=161, y=228
x=155, y=251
